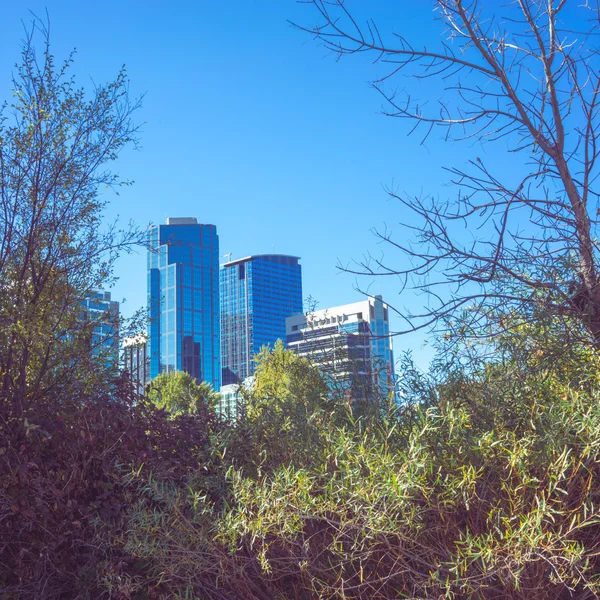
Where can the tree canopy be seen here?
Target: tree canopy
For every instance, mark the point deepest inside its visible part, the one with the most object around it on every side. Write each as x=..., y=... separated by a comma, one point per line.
x=178, y=392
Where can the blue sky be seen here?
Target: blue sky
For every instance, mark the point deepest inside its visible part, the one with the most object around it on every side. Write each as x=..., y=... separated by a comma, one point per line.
x=250, y=125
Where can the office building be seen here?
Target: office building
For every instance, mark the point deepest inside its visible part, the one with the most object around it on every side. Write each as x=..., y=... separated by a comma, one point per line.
x=135, y=361
x=231, y=400
x=258, y=293
x=183, y=300
x=349, y=343
x=101, y=315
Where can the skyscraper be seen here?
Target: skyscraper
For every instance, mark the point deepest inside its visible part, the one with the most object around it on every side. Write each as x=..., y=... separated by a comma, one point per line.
x=257, y=294
x=102, y=314
x=183, y=299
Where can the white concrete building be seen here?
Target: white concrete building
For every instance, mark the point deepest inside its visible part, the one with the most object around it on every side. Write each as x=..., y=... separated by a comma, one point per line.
x=136, y=361
x=232, y=398
x=349, y=343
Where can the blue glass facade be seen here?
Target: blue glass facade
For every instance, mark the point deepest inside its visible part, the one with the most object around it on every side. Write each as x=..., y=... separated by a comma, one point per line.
x=258, y=293
x=103, y=314
x=381, y=346
x=183, y=300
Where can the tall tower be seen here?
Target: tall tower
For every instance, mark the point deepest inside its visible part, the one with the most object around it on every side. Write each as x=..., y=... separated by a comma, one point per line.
x=183, y=299
x=257, y=294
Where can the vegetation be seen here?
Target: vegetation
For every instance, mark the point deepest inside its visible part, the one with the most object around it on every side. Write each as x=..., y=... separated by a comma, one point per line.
x=56, y=143
x=63, y=485
x=286, y=409
x=485, y=485
x=178, y=393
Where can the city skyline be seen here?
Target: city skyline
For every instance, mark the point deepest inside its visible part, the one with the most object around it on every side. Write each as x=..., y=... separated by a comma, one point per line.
x=247, y=126
x=213, y=327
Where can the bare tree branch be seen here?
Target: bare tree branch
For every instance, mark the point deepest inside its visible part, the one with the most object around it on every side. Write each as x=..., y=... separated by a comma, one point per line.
x=528, y=73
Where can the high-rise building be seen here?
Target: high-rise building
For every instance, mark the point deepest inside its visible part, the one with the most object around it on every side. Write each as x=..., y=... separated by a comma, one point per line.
x=135, y=361
x=349, y=343
x=183, y=299
x=258, y=293
x=102, y=314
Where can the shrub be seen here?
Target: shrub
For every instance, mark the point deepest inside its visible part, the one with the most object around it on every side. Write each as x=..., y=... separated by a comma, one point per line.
x=63, y=468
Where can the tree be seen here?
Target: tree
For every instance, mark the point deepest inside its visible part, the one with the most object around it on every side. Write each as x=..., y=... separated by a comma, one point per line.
x=177, y=392
x=525, y=73
x=288, y=408
x=56, y=143
x=490, y=492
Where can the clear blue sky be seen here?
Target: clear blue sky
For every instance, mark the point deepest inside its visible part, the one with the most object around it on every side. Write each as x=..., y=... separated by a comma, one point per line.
x=252, y=126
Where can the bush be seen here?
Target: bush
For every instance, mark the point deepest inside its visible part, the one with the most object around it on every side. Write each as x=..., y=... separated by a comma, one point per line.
x=63, y=482
x=492, y=493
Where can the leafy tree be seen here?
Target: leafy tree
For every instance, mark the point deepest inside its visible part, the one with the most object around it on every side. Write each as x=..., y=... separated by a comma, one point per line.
x=489, y=493
x=281, y=375
x=177, y=392
x=288, y=408
x=56, y=144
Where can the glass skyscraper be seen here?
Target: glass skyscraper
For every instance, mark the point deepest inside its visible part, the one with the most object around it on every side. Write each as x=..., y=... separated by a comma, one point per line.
x=183, y=299
x=258, y=293
x=102, y=314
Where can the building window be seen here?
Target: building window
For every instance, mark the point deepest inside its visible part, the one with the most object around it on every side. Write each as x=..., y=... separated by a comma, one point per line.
x=187, y=276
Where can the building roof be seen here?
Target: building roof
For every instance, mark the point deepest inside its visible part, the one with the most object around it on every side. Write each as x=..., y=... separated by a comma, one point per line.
x=182, y=221
x=253, y=256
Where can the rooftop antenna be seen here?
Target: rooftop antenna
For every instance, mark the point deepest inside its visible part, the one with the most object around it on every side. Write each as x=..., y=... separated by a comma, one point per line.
x=227, y=256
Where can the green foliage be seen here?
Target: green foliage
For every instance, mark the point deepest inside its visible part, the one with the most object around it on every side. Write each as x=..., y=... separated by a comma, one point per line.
x=64, y=493
x=288, y=410
x=485, y=488
x=178, y=393
x=282, y=375
x=452, y=515
x=491, y=496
